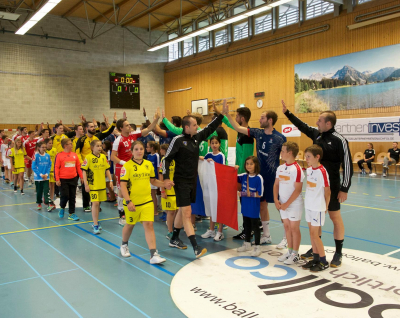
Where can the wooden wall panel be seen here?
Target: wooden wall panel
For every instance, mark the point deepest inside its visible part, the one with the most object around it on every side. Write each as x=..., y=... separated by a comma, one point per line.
x=271, y=69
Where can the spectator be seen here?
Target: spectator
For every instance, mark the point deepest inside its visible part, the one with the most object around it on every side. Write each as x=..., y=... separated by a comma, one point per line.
x=369, y=156
x=391, y=159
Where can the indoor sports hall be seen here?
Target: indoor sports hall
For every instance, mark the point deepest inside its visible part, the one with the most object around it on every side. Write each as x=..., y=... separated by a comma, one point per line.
x=66, y=64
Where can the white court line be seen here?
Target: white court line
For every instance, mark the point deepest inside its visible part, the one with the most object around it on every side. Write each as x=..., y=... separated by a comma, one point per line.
x=390, y=253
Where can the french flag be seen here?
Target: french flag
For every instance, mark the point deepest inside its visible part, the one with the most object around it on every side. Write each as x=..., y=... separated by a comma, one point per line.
x=216, y=194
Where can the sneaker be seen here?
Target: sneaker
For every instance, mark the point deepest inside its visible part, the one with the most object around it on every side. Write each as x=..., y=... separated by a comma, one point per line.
x=245, y=247
x=199, y=251
x=178, y=244
x=309, y=264
x=219, y=237
x=125, y=250
x=265, y=240
x=284, y=257
x=282, y=245
x=100, y=228
x=169, y=236
x=383, y=175
x=12, y=183
x=225, y=227
x=293, y=259
x=208, y=234
x=372, y=174
x=51, y=207
x=15, y=189
x=22, y=192
x=122, y=220
x=318, y=267
x=157, y=259
x=73, y=217
x=337, y=260
x=194, y=227
x=308, y=255
x=61, y=213
x=87, y=209
x=39, y=206
x=96, y=229
x=198, y=219
x=240, y=236
x=256, y=251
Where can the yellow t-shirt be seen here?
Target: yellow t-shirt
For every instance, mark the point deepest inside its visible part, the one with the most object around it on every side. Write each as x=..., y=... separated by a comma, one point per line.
x=171, y=175
x=74, y=144
x=18, y=157
x=57, y=142
x=52, y=153
x=138, y=177
x=95, y=168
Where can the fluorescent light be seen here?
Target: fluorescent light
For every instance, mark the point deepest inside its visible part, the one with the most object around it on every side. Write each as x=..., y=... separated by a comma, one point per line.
x=235, y=19
x=278, y=3
x=215, y=26
x=46, y=8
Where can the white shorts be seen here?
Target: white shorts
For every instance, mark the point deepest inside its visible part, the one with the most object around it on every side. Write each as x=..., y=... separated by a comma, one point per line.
x=153, y=187
x=316, y=218
x=293, y=212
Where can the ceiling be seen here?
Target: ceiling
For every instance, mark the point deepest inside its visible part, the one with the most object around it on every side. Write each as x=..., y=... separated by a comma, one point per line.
x=160, y=14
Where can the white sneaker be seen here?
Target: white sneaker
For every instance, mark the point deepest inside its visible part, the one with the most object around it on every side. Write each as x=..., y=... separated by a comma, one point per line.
x=284, y=257
x=208, y=234
x=219, y=237
x=122, y=221
x=265, y=240
x=282, y=245
x=125, y=250
x=245, y=247
x=256, y=252
x=372, y=174
x=293, y=259
x=157, y=259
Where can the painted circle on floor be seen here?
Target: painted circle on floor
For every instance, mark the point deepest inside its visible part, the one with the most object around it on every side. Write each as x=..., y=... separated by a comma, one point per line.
x=231, y=284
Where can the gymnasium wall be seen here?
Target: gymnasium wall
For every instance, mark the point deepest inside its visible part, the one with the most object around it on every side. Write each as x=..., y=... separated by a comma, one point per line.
x=46, y=80
x=271, y=70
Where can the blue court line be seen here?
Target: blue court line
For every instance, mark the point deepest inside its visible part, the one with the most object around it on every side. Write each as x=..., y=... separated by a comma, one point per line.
x=21, y=280
x=41, y=277
x=144, y=247
x=6, y=195
x=134, y=255
x=95, y=278
x=112, y=244
x=66, y=271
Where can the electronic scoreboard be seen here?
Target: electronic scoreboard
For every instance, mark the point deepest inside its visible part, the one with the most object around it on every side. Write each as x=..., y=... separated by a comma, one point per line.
x=124, y=91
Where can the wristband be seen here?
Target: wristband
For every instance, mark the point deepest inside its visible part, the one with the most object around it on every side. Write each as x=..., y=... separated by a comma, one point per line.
x=121, y=162
x=162, y=191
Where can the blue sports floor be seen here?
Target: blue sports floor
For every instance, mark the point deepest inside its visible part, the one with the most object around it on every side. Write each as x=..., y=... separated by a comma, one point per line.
x=56, y=268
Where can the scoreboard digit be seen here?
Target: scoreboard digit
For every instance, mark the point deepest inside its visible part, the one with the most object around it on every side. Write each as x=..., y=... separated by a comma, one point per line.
x=124, y=91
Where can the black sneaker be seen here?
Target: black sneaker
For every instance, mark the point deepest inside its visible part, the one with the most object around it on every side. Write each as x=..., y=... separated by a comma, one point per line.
x=199, y=251
x=309, y=264
x=318, y=267
x=240, y=236
x=178, y=244
x=198, y=219
x=337, y=260
x=308, y=255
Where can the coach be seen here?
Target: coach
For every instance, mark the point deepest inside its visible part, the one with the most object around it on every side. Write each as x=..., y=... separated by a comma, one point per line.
x=336, y=152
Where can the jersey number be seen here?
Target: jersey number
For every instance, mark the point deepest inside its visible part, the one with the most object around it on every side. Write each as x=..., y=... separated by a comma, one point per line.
x=135, y=168
x=168, y=204
x=93, y=195
x=130, y=219
x=263, y=146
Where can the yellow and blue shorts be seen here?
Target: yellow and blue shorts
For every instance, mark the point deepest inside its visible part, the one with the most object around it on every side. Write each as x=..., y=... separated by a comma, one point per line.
x=144, y=213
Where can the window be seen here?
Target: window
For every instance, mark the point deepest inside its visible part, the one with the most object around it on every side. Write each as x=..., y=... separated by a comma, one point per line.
x=240, y=31
x=202, y=23
x=259, y=3
x=239, y=9
x=188, y=47
x=221, y=37
x=317, y=8
x=173, y=49
x=363, y=1
x=204, y=42
x=288, y=15
x=187, y=29
x=263, y=23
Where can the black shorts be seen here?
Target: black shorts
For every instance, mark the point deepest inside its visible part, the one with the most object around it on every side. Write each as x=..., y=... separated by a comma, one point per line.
x=185, y=193
x=334, y=204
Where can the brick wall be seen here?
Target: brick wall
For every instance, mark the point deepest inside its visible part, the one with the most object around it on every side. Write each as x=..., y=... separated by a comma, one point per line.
x=46, y=80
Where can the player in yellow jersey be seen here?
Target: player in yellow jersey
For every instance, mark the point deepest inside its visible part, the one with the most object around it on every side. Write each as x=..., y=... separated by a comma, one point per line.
x=60, y=136
x=168, y=198
x=17, y=156
x=136, y=176
x=52, y=182
x=78, y=134
x=95, y=169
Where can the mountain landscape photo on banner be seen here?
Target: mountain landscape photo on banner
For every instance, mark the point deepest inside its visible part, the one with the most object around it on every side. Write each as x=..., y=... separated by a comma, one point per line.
x=353, y=81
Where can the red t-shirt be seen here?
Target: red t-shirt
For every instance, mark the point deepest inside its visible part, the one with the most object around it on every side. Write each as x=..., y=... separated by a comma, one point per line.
x=30, y=146
x=122, y=145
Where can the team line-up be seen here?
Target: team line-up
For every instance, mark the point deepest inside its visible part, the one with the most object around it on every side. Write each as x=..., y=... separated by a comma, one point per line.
x=100, y=155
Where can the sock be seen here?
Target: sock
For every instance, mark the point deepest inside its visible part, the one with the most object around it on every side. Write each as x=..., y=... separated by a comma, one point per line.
x=284, y=236
x=124, y=243
x=265, y=225
x=320, y=237
x=339, y=245
x=193, y=241
x=290, y=250
x=323, y=259
x=120, y=205
x=175, y=234
x=295, y=252
x=316, y=257
x=121, y=213
x=152, y=251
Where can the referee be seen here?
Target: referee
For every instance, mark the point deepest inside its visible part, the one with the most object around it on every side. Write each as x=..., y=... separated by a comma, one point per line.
x=184, y=149
x=336, y=152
